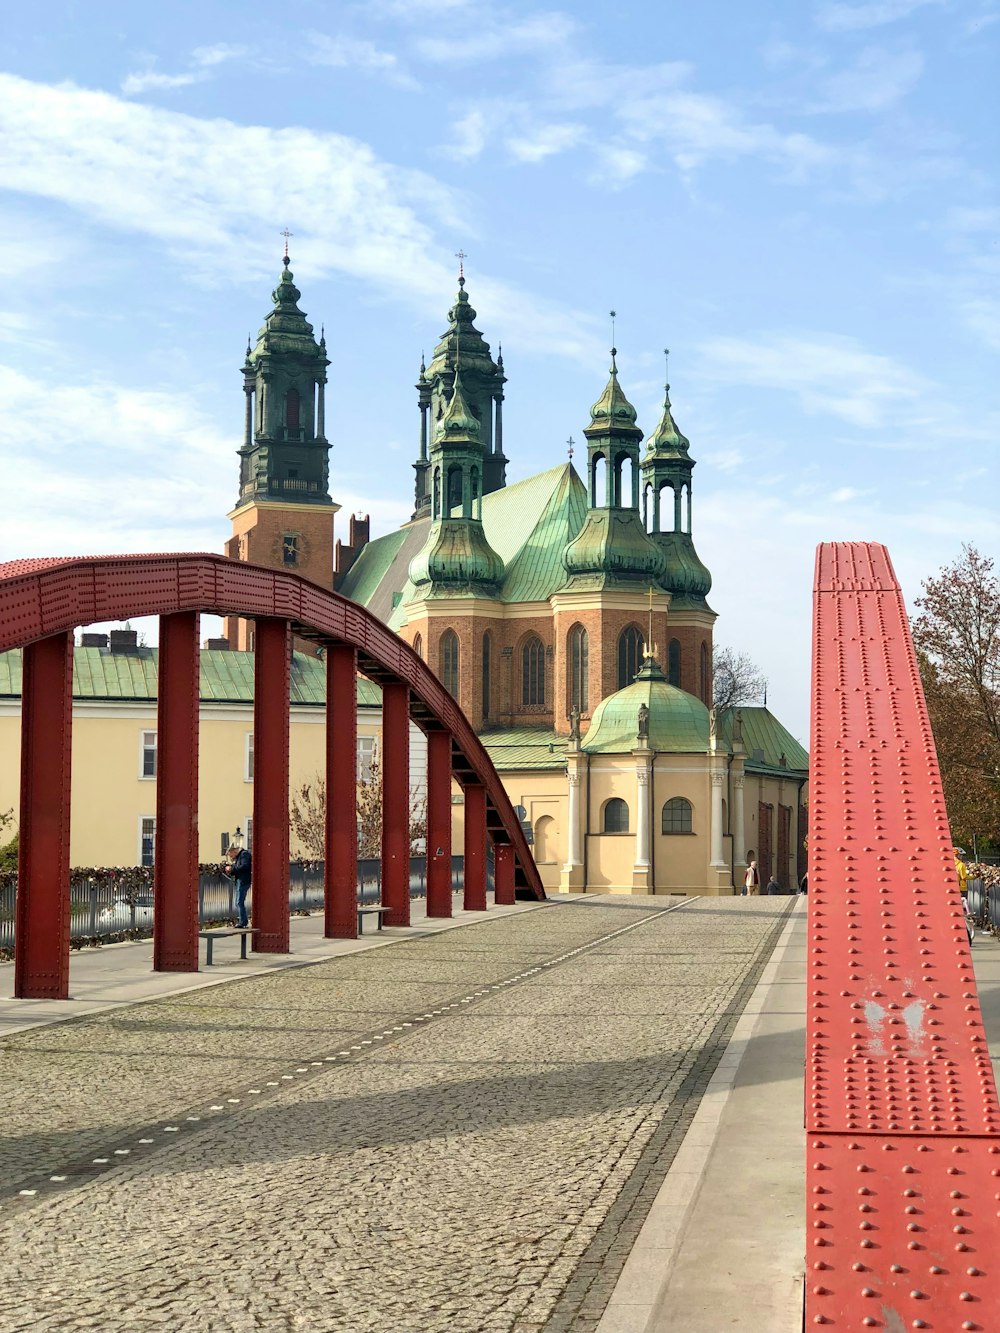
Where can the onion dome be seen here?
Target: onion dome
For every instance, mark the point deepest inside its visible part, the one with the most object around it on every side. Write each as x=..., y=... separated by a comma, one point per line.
x=462, y=340
x=458, y=426
x=456, y=558
x=612, y=548
x=667, y=441
x=613, y=413
x=678, y=722
x=285, y=328
x=687, y=578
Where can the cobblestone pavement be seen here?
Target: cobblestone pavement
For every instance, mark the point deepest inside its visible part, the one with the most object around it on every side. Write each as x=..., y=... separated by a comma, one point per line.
x=461, y=1132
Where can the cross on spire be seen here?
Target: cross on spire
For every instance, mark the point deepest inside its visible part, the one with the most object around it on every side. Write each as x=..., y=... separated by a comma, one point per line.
x=461, y=256
x=286, y=233
x=570, y=442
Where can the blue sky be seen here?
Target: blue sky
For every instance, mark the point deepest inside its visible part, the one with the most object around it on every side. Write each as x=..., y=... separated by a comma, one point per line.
x=798, y=199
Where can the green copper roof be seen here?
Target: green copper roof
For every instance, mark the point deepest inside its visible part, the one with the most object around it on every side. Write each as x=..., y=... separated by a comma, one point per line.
x=457, y=558
x=612, y=549
x=458, y=425
x=463, y=336
x=686, y=579
x=678, y=722
x=226, y=677
x=763, y=735
x=285, y=328
x=612, y=413
x=667, y=441
x=527, y=524
x=526, y=747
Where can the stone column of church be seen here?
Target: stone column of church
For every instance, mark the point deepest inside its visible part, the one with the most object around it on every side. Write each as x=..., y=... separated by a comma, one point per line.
x=718, y=858
x=571, y=879
x=642, y=870
x=739, y=820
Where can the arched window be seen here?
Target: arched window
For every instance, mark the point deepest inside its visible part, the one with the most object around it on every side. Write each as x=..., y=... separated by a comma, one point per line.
x=545, y=846
x=676, y=816
x=533, y=671
x=449, y=661
x=487, y=651
x=706, y=675
x=436, y=501
x=615, y=816
x=630, y=644
x=674, y=662
x=418, y=644
x=454, y=490
x=292, y=409
x=598, y=481
x=578, y=668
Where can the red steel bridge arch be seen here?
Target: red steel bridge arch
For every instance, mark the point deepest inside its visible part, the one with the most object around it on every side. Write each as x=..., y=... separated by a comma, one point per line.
x=43, y=601
x=901, y=1113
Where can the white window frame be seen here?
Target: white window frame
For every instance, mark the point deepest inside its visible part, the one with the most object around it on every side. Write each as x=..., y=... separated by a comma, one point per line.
x=367, y=754
x=147, y=747
x=143, y=820
x=248, y=757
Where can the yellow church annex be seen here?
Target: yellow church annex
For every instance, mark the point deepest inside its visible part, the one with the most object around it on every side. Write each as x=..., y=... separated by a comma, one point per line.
x=568, y=615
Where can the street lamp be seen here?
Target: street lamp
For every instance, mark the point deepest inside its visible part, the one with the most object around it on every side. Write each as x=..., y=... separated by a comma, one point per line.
x=237, y=839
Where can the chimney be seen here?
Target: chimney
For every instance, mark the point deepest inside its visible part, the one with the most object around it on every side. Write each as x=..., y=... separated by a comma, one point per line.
x=359, y=532
x=91, y=640
x=124, y=641
x=216, y=645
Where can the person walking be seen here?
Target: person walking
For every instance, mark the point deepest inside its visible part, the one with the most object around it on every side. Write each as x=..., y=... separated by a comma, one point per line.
x=773, y=886
x=751, y=881
x=239, y=864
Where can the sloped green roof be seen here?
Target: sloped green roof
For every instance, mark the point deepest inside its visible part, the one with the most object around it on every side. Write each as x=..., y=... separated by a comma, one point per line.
x=764, y=735
x=528, y=524
x=226, y=677
x=526, y=747
x=678, y=722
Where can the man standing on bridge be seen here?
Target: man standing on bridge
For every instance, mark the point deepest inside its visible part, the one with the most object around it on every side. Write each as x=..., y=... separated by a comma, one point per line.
x=240, y=865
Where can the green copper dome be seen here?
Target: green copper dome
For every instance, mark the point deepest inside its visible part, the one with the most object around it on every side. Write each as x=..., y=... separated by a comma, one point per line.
x=613, y=548
x=678, y=722
x=456, y=558
x=667, y=441
x=285, y=328
x=613, y=413
x=458, y=425
x=687, y=578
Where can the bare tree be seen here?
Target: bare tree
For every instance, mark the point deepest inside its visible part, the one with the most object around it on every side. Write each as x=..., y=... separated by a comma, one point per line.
x=736, y=679
x=957, y=638
x=307, y=815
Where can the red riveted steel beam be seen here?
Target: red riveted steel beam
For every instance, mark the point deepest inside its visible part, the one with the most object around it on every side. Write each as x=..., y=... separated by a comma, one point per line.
x=503, y=874
x=269, y=894
x=175, y=874
x=438, y=823
x=396, y=802
x=474, y=895
x=902, y=1116
x=41, y=926
x=341, y=866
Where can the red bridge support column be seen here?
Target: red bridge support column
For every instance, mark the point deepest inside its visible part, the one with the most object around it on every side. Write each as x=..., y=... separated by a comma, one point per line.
x=396, y=802
x=269, y=894
x=503, y=874
x=41, y=960
x=175, y=877
x=341, y=885
x=439, y=823
x=474, y=896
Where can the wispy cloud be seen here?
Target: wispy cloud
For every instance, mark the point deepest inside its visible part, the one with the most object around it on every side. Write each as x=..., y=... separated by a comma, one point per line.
x=544, y=141
x=829, y=374
x=842, y=17
x=876, y=79
x=357, y=53
x=490, y=38
x=172, y=177
x=203, y=60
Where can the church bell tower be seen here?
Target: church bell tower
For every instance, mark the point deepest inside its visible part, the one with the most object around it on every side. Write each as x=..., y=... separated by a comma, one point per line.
x=284, y=513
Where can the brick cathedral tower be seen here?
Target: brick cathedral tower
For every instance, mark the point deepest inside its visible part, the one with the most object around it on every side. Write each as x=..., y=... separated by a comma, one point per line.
x=284, y=514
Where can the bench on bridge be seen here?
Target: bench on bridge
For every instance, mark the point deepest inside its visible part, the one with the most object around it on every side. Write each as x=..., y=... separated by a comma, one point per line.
x=224, y=932
x=371, y=910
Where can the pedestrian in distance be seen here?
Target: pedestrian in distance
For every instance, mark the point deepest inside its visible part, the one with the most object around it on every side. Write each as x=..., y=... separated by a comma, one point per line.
x=773, y=886
x=804, y=883
x=751, y=880
x=239, y=864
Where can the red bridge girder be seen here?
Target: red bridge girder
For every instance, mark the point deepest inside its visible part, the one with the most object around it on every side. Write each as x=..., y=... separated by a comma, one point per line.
x=901, y=1112
x=43, y=601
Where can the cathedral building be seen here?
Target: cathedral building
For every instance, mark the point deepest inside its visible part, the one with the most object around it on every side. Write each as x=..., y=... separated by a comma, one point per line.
x=568, y=615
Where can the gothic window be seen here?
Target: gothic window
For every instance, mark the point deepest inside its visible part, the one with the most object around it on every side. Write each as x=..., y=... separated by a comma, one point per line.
x=290, y=549
x=292, y=409
x=615, y=816
x=487, y=650
x=449, y=661
x=578, y=668
x=706, y=675
x=418, y=644
x=676, y=816
x=630, y=645
x=533, y=671
x=674, y=662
